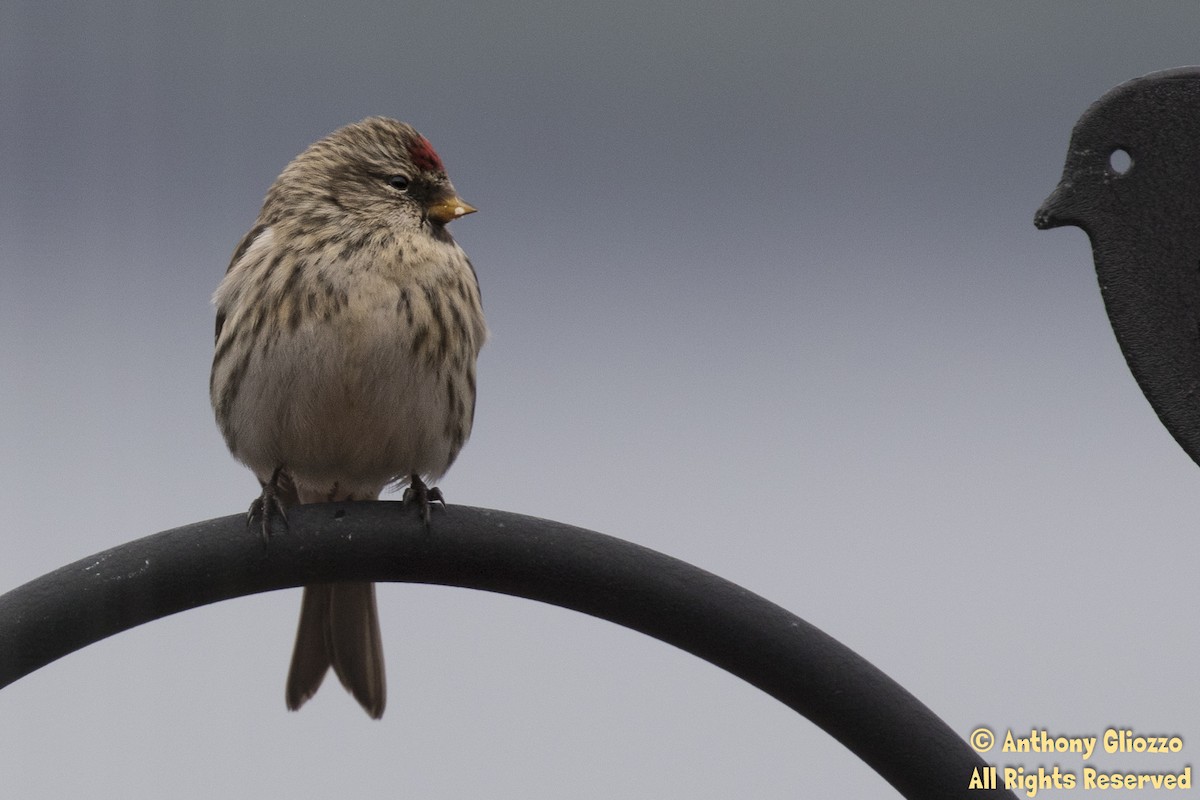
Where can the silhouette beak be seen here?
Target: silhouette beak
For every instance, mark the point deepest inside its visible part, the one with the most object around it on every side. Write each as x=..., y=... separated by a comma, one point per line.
x=1053, y=212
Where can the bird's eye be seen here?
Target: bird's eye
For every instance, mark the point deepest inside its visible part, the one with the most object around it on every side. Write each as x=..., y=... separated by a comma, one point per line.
x=398, y=182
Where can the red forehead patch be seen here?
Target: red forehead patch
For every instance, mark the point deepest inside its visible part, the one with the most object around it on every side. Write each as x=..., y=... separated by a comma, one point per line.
x=423, y=157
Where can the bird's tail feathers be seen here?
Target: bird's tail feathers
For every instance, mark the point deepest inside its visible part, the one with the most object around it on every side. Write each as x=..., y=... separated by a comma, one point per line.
x=339, y=628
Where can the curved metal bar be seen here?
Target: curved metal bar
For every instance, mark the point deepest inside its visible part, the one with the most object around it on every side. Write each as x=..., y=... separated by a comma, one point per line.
x=512, y=554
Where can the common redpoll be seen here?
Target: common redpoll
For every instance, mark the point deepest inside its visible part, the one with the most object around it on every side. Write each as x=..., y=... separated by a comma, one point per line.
x=348, y=325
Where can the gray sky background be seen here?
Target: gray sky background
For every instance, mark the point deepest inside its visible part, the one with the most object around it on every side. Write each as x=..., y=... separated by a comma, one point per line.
x=765, y=295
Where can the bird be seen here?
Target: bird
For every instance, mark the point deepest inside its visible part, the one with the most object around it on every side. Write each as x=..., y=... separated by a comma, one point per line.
x=1130, y=183
x=348, y=325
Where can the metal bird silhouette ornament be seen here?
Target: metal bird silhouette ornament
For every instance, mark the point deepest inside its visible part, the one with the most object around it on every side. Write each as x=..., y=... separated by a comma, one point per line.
x=1132, y=182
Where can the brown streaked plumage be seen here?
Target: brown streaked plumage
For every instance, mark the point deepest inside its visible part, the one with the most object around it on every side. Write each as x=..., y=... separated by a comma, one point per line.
x=348, y=325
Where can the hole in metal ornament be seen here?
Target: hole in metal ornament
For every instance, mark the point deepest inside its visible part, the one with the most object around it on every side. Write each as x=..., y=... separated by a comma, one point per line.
x=1119, y=161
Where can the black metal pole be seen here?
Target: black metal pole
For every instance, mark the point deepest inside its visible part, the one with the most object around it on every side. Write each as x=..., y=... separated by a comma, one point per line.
x=512, y=554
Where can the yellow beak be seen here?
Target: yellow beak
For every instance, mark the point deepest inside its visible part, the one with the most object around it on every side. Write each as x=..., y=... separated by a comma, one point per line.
x=450, y=209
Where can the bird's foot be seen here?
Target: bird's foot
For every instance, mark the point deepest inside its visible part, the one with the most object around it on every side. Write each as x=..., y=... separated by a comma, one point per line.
x=268, y=506
x=422, y=496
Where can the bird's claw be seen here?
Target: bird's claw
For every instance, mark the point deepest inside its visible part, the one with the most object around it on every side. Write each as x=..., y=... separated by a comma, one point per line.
x=422, y=496
x=268, y=507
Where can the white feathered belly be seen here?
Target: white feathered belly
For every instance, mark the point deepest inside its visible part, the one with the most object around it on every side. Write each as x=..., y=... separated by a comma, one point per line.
x=359, y=377
x=348, y=402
